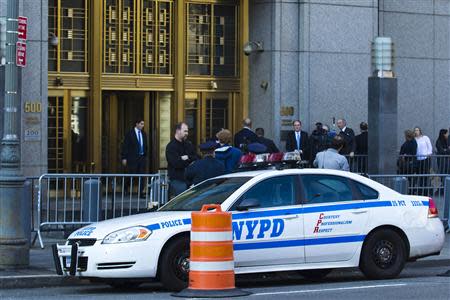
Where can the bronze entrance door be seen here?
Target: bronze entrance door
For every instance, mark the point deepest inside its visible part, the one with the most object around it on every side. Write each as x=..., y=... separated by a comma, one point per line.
x=68, y=132
x=120, y=112
x=207, y=113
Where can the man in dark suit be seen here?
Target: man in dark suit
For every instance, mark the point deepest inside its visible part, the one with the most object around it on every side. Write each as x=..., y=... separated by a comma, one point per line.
x=134, y=149
x=245, y=136
x=297, y=139
x=134, y=153
x=362, y=145
x=349, y=138
x=271, y=147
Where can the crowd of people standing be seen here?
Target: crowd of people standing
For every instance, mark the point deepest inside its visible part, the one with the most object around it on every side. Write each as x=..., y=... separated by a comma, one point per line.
x=323, y=148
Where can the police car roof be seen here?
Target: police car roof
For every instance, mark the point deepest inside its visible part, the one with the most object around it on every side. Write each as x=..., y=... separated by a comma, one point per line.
x=269, y=173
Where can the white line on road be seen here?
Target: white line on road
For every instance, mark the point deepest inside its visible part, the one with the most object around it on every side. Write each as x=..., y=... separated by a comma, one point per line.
x=333, y=289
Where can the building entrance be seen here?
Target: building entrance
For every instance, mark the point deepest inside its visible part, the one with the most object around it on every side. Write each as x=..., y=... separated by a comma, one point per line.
x=120, y=112
x=67, y=132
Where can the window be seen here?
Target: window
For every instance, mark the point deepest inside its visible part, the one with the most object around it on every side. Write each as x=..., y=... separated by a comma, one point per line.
x=212, y=39
x=326, y=188
x=366, y=192
x=214, y=191
x=277, y=191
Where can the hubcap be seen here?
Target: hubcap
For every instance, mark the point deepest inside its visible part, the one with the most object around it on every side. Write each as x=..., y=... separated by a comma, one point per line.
x=384, y=254
x=181, y=265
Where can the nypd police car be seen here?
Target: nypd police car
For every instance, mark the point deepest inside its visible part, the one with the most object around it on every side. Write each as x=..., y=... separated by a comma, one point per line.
x=310, y=220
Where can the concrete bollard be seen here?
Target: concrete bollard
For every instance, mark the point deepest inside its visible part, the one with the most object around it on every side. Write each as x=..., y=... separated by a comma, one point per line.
x=400, y=184
x=90, y=206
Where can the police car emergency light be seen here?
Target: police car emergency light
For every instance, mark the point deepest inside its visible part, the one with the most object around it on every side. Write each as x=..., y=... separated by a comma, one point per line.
x=283, y=220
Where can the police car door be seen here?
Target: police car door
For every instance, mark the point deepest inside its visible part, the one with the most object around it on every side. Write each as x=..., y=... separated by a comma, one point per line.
x=334, y=218
x=271, y=232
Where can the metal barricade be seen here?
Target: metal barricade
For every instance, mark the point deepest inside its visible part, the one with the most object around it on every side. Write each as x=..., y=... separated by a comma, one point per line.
x=81, y=199
x=430, y=185
x=358, y=163
x=430, y=164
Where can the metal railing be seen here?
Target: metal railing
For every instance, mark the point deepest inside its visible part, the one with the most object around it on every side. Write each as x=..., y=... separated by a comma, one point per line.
x=412, y=164
x=358, y=163
x=81, y=199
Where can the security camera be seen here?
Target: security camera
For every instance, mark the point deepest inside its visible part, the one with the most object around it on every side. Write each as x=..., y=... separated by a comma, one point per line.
x=248, y=49
x=251, y=47
x=53, y=40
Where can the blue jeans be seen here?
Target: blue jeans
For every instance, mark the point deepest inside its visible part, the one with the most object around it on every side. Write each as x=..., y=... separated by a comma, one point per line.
x=176, y=187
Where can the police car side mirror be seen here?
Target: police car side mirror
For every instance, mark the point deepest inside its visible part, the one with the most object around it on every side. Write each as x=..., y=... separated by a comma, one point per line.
x=246, y=204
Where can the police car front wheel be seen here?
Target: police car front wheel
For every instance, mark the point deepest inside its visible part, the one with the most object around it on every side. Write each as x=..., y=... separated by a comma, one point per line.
x=383, y=255
x=174, y=265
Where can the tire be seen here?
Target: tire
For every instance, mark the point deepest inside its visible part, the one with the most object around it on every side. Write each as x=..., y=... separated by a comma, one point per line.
x=383, y=255
x=174, y=265
x=315, y=274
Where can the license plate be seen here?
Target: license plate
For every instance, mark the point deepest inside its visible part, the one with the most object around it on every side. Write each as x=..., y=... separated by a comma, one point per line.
x=68, y=260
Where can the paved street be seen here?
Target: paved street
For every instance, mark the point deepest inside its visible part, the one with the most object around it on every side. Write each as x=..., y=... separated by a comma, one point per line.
x=417, y=281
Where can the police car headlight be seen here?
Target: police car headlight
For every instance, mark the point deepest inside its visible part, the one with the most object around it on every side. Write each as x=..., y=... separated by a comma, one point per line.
x=132, y=234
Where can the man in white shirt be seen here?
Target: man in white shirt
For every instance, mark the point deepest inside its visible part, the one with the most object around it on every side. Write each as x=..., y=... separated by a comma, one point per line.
x=330, y=158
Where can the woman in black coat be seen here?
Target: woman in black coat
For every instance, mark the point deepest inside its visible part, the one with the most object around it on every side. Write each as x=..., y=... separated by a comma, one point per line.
x=407, y=162
x=443, y=148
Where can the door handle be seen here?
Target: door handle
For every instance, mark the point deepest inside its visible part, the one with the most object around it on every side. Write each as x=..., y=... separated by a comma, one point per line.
x=358, y=212
x=290, y=217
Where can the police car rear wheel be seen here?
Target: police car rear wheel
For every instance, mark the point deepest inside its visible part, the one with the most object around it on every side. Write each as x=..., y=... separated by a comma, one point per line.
x=315, y=274
x=174, y=265
x=383, y=255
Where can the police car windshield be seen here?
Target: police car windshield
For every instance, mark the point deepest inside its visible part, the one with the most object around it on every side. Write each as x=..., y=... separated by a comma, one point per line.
x=213, y=191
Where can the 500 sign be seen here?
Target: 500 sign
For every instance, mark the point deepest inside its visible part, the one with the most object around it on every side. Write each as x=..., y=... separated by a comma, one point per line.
x=33, y=107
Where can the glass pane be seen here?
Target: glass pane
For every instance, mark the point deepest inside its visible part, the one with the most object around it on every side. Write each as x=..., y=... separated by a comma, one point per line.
x=199, y=39
x=72, y=37
x=190, y=112
x=224, y=40
x=216, y=116
x=156, y=37
x=55, y=135
x=78, y=124
x=277, y=191
x=324, y=189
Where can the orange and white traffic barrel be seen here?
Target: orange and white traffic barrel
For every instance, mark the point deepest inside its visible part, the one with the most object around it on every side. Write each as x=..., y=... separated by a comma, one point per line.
x=211, y=266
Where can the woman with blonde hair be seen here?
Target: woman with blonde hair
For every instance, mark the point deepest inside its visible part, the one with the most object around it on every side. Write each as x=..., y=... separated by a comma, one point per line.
x=424, y=150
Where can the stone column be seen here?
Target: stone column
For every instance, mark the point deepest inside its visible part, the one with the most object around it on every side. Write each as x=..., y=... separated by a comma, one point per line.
x=14, y=248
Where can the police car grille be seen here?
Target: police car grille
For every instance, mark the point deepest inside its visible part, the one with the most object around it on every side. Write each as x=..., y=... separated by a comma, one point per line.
x=115, y=265
x=81, y=266
x=83, y=242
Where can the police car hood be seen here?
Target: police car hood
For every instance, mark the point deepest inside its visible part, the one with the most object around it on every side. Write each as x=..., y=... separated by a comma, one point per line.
x=101, y=229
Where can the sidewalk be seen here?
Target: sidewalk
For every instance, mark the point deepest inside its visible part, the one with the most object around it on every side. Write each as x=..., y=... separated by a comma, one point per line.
x=41, y=271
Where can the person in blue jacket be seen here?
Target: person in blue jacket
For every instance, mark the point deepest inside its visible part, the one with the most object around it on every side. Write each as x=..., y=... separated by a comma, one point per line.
x=205, y=168
x=229, y=155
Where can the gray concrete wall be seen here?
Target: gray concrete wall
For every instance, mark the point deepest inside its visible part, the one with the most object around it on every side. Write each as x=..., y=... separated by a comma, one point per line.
x=421, y=32
x=317, y=60
x=34, y=89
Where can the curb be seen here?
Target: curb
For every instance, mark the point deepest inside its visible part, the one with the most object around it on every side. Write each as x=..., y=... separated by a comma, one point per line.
x=49, y=280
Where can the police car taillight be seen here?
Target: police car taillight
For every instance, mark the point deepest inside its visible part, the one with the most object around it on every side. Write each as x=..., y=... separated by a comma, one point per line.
x=432, y=209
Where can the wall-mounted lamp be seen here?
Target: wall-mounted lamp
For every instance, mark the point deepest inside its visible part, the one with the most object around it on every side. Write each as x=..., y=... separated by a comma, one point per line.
x=264, y=85
x=53, y=39
x=213, y=85
x=251, y=47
